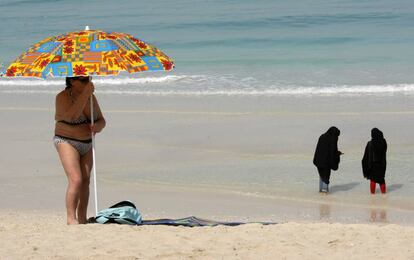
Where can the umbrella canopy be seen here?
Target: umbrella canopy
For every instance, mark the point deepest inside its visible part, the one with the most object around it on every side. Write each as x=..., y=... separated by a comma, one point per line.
x=88, y=52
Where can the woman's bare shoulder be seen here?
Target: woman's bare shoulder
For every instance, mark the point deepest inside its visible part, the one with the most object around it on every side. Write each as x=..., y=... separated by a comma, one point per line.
x=62, y=94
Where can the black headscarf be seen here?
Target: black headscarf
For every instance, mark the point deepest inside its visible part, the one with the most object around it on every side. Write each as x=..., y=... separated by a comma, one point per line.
x=379, y=145
x=333, y=131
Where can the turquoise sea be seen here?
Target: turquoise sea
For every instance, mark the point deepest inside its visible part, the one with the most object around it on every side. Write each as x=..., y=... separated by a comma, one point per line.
x=226, y=47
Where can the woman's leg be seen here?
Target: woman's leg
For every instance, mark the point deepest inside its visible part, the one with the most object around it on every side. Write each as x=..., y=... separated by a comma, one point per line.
x=324, y=175
x=86, y=166
x=383, y=188
x=372, y=186
x=70, y=159
x=320, y=184
x=329, y=177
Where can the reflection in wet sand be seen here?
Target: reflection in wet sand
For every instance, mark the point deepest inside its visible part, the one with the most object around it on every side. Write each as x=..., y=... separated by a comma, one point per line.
x=324, y=211
x=378, y=215
x=378, y=209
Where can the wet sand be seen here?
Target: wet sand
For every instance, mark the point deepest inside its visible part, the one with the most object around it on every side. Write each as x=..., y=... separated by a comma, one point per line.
x=231, y=158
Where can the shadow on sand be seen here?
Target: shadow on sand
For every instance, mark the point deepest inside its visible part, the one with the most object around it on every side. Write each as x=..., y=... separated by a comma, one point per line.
x=343, y=187
x=394, y=187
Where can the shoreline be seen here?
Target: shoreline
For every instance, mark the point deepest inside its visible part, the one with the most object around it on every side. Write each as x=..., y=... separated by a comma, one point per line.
x=175, y=201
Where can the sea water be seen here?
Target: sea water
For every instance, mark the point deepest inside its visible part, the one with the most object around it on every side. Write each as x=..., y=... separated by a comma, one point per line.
x=226, y=48
x=242, y=47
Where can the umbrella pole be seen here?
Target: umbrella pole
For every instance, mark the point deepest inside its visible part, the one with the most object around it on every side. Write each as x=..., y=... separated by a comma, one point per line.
x=94, y=160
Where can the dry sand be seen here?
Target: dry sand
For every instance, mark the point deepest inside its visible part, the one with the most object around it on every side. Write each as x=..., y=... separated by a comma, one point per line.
x=37, y=235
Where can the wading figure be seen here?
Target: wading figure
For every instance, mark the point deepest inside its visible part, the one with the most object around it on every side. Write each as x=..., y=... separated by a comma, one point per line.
x=327, y=157
x=374, y=162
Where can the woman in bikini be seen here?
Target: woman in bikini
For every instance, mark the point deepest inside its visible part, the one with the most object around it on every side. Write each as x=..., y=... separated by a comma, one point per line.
x=73, y=142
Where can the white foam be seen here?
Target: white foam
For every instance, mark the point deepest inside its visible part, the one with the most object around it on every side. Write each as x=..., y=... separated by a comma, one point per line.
x=30, y=82
x=346, y=89
x=276, y=91
x=104, y=81
x=200, y=85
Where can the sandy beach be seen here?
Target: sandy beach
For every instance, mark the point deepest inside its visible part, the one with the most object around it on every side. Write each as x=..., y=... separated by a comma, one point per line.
x=35, y=235
x=214, y=158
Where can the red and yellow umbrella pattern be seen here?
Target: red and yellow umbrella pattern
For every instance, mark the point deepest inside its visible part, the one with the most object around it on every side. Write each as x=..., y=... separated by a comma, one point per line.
x=88, y=52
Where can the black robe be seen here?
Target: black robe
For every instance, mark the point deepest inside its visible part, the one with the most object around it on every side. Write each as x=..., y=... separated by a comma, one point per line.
x=327, y=156
x=374, y=162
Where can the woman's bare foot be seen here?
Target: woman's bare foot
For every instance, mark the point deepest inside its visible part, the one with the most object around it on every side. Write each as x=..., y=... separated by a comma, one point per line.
x=72, y=222
x=82, y=221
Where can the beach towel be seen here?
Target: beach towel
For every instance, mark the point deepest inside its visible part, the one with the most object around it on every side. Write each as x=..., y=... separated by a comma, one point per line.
x=120, y=214
x=189, y=222
x=196, y=222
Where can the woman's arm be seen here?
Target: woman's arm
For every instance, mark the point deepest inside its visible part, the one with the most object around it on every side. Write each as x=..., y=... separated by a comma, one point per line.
x=100, y=122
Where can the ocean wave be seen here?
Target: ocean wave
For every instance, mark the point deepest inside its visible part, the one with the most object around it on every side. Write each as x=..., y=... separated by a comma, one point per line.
x=104, y=81
x=264, y=42
x=289, y=91
x=201, y=85
x=289, y=21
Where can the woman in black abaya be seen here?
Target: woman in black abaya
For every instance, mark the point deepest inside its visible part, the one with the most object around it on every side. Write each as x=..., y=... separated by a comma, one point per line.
x=327, y=156
x=374, y=162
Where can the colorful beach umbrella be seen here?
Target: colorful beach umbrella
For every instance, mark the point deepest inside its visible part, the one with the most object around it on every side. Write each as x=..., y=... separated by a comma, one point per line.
x=88, y=52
